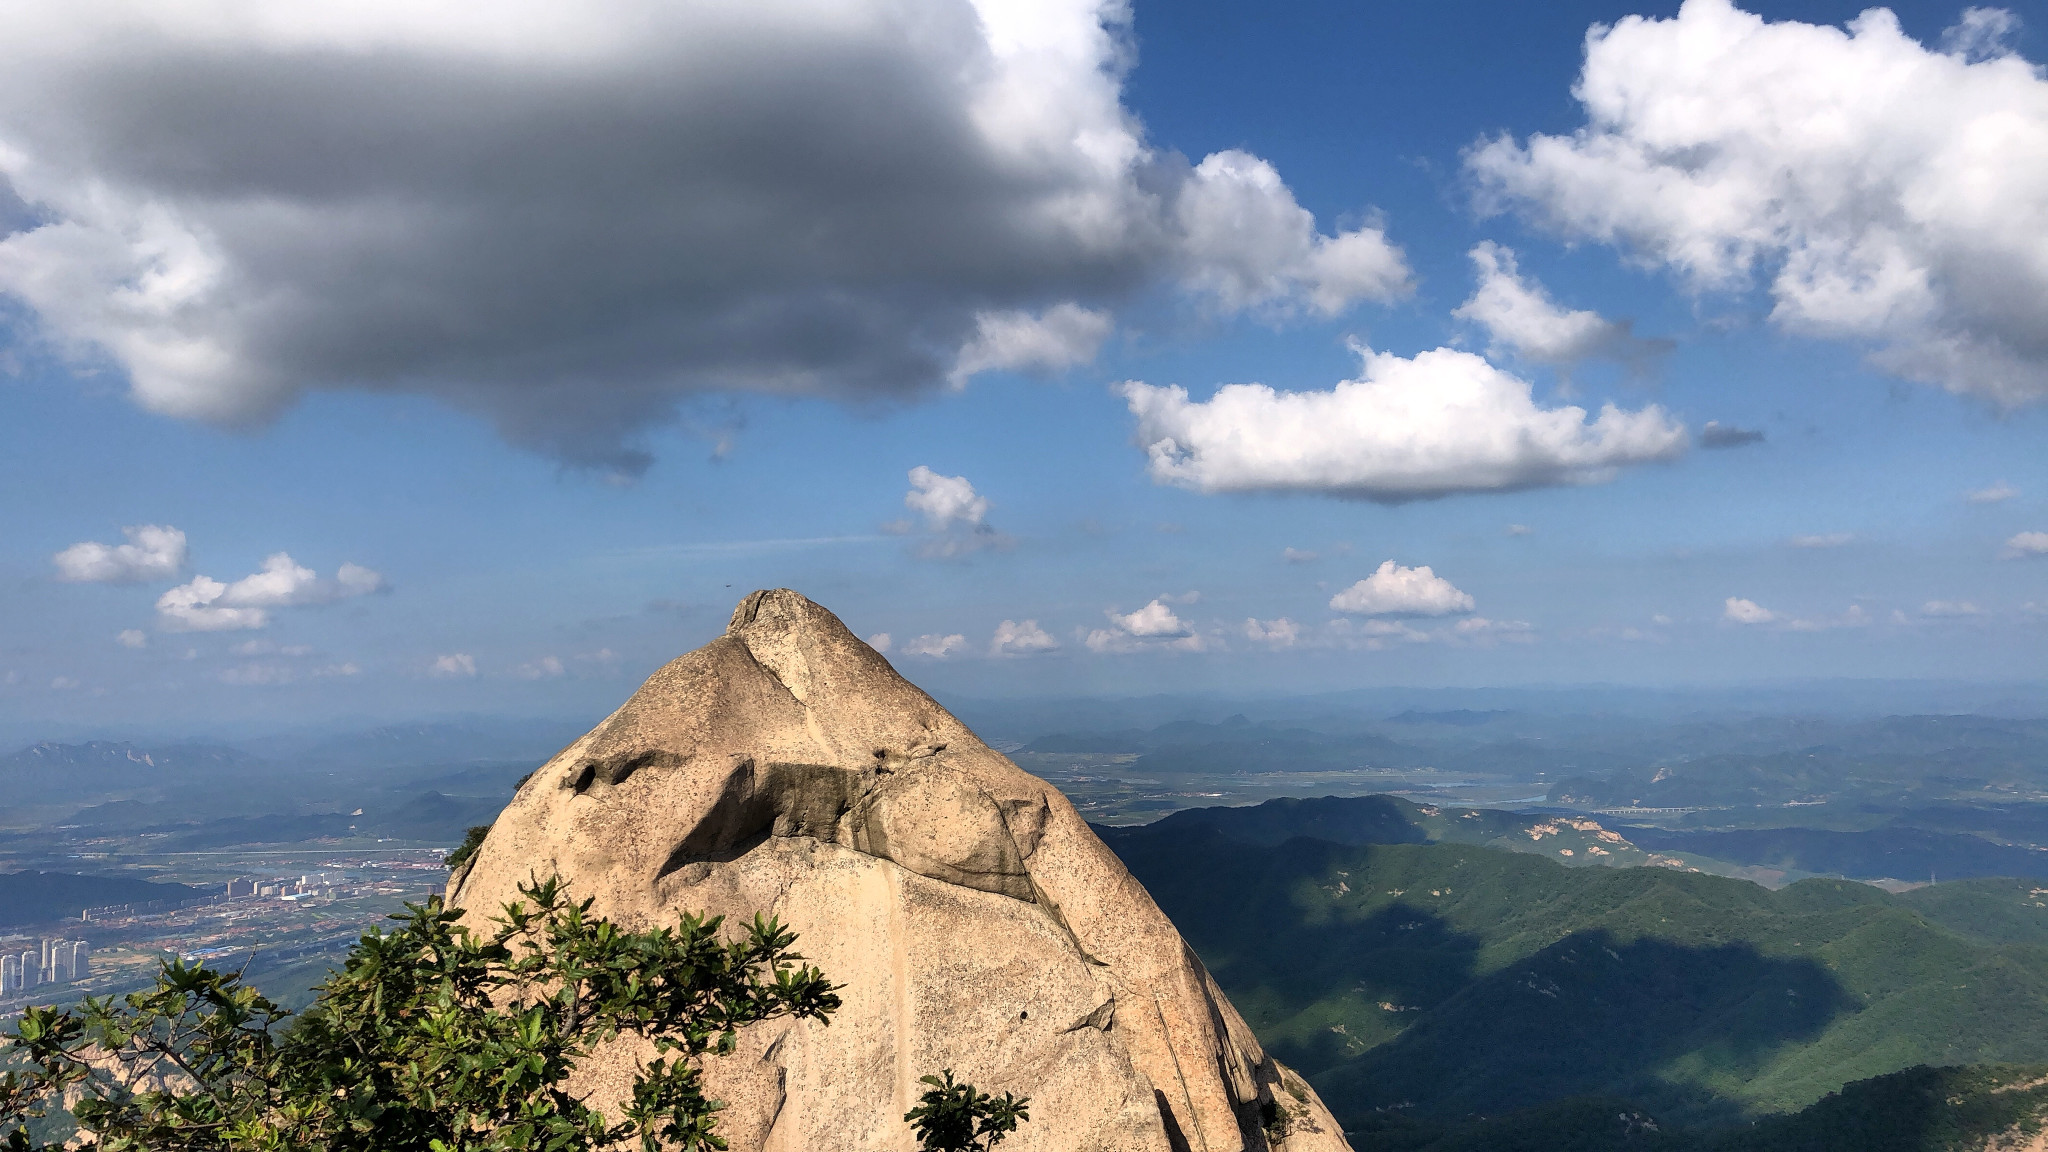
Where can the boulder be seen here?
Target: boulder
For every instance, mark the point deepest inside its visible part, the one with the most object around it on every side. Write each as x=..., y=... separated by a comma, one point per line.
x=974, y=920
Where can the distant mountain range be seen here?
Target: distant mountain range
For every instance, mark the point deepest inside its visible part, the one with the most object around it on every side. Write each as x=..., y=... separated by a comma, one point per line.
x=104, y=756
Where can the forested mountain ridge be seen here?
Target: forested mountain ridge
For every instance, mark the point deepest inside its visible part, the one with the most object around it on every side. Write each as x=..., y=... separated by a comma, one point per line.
x=1446, y=981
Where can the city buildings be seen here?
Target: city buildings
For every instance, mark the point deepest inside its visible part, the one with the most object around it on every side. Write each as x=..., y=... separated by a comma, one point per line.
x=50, y=962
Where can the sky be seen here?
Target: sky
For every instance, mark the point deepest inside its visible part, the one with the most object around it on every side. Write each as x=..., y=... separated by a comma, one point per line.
x=382, y=360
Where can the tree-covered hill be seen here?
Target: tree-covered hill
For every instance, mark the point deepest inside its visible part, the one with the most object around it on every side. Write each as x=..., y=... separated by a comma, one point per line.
x=46, y=897
x=1446, y=981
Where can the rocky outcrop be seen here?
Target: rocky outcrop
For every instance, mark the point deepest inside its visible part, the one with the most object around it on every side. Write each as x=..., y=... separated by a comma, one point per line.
x=975, y=921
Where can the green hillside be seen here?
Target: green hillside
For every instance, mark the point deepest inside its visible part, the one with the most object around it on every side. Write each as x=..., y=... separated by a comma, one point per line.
x=1446, y=981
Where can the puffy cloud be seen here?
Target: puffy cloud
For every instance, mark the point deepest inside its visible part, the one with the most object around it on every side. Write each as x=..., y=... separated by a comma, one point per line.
x=195, y=607
x=955, y=515
x=1152, y=621
x=881, y=641
x=1393, y=590
x=1821, y=540
x=132, y=638
x=1020, y=638
x=153, y=552
x=1718, y=435
x=935, y=645
x=453, y=665
x=545, y=668
x=570, y=221
x=1740, y=611
x=1407, y=429
x=204, y=604
x=944, y=501
x=1520, y=317
x=1248, y=245
x=1062, y=337
x=1892, y=194
x=1154, y=625
x=1995, y=494
x=2027, y=544
x=1280, y=633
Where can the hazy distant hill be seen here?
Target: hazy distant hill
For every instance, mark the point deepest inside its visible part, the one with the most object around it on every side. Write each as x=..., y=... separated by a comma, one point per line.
x=1568, y=839
x=43, y=897
x=1238, y=745
x=1447, y=980
x=1903, y=853
x=101, y=756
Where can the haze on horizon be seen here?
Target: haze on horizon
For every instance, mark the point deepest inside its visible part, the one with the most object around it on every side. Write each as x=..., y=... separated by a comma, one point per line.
x=384, y=361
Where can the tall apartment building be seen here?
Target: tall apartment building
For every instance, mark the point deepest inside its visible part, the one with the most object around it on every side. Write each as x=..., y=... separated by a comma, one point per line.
x=50, y=962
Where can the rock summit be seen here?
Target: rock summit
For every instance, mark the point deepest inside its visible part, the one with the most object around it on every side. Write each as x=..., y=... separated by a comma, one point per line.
x=974, y=920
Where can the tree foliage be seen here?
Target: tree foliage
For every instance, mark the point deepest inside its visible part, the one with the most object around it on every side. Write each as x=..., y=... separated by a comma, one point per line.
x=431, y=1038
x=953, y=1117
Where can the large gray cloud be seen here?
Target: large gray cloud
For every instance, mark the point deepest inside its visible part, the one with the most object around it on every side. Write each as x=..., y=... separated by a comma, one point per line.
x=567, y=217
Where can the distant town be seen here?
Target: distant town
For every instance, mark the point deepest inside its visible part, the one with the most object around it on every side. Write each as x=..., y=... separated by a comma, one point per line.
x=282, y=931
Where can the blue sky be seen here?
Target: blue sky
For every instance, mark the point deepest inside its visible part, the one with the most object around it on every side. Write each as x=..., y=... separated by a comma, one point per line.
x=545, y=494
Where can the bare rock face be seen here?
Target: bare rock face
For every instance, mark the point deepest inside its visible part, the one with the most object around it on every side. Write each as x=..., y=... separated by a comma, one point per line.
x=974, y=920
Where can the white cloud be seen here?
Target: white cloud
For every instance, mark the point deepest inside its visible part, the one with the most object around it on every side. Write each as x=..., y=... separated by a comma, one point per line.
x=1154, y=625
x=1740, y=611
x=1300, y=555
x=204, y=604
x=1062, y=337
x=1893, y=195
x=796, y=197
x=64, y=683
x=1020, y=638
x=545, y=668
x=944, y=501
x=1520, y=530
x=153, y=552
x=1407, y=429
x=1947, y=608
x=1280, y=633
x=1153, y=620
x=881, y=641
x=935, y=645
x=955, y=515
x=1996, y=493
x=1393, y=590
x=453, y=665
x=2027, y=544
x=194, y=607
x=1247, y=245
x=1521, y=318
x=132, y=638
x=1821, y=540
